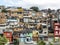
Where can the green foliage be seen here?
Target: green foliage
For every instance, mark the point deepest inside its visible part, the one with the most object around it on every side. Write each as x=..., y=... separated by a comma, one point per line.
x=41, y=43
x=3, y=40
x=19, y=7
x=16, y=41
x=50, y=43
x=49, y=10
x=35, y=8
x=53, y=39
x=4, y=10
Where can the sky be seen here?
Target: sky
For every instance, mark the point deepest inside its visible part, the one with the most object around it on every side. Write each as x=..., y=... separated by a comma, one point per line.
x=42, y=4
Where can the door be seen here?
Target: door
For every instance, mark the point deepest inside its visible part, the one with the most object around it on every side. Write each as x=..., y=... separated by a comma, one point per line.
x=22, y=38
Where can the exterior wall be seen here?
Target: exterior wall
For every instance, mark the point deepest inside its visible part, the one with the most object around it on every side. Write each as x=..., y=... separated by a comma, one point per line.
x=2, y=18
x=18, y=29
x=1, y=8
x=16, y=12
x=38, y=14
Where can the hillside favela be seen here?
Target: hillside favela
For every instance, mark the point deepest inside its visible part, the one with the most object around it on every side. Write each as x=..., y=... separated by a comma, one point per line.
x=29, y=26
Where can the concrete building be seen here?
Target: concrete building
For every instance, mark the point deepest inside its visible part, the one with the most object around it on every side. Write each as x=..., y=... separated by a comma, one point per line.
x=1, y=8
x=2, y=18
x=16, y=12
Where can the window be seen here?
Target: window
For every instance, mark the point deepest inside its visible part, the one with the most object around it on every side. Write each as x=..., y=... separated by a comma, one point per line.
x=45, y=32
x=37, y=20
x=19, y=12
x=27, y=39
x=25, y=14
x=0, y=17
x=37, y=33
x=44, y=21
x=0, y=10
x=21, y=20
x=49, y=28
x=12, y=12
x=13, y=18
x=55, y=21
x=33, y=14
x=25, y=20
x=44, y=27
x=40, y=31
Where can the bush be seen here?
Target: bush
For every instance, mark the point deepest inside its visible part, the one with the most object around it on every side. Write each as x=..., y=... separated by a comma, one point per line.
x=41, y=43
x=3, y=40
x=50, y=43
x=16, y=41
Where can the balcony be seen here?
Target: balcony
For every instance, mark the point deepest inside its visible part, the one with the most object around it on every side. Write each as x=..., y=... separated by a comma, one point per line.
x=2, y=27
x=3, y=24
x=31, y=21
x=13, y=23
x=42, y=34
x=12, y=20
x=55, y=19
x=27, y=16
x=31, y=26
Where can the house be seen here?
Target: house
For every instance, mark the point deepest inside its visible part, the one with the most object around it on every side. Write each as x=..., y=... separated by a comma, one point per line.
x=1, y=8
x=2, y=18
x=12, y=21
x=16, y=12
x=44, y=34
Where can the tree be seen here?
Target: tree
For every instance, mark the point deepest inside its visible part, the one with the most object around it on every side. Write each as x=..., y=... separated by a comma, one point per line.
x=16, y=41
x=4, y=10
x=58, y=10
x=49, y=10
x=35, y=8
x=19, y=7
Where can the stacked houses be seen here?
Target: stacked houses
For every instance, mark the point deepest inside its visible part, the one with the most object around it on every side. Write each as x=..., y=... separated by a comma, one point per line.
x=20, y=22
